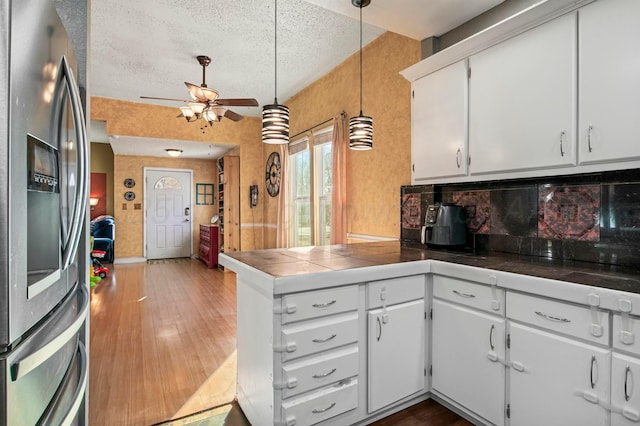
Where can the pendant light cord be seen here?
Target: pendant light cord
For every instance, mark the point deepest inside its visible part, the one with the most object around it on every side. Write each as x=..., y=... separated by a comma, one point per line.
x=361, y=59
x=275, y=49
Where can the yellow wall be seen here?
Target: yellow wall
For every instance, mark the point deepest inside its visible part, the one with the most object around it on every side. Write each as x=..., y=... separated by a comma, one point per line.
x=102, y=162
x=373, y=177
x=152, y=121
x=130, y=221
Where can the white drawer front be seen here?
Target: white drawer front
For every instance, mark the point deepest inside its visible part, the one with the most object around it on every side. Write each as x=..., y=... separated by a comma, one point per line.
x=395, y=291
x=313, y=304
x=312, y=409
x=626, y=333
x=576, y=321
x=315, y=336
x=303, y=376
x=479, y=296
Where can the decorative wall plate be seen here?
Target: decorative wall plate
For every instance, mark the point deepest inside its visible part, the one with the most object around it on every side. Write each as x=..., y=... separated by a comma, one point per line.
x=129, y=196
x=129, y=183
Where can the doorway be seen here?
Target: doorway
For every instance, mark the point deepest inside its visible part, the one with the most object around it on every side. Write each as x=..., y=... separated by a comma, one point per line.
x=168, y=229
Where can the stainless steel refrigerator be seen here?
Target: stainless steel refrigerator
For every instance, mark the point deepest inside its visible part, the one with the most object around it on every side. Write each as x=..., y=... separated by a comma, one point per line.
x=44, y=299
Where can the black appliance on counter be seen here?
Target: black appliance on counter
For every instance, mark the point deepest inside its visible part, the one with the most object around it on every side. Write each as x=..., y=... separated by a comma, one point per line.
x=444, y=225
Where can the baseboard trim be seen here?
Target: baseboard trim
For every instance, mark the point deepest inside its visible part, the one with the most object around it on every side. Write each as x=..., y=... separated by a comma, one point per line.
x=129, y=260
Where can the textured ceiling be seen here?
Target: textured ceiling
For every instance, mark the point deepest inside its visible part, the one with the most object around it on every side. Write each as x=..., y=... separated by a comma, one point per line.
x=148, y=47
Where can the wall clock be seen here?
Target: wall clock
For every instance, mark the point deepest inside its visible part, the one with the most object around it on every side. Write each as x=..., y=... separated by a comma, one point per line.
x=272, y=174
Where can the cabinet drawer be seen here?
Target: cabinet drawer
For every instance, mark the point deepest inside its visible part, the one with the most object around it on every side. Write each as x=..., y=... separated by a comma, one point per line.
x=204, y=252
x=479, y=296
x=321, y=405
x=572, y=320
x=303, y=376
x=626, y=333
x=395, y=291
x=204, y=231
x=315, y=336
x=313, y=304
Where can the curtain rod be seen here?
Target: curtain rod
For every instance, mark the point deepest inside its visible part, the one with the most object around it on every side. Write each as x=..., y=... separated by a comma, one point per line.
x=319, y=124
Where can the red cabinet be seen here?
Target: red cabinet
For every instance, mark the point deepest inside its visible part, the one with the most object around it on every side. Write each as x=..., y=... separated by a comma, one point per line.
x=208, y=251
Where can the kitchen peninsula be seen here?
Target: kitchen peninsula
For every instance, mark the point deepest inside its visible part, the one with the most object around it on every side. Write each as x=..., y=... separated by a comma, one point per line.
x=352, y=333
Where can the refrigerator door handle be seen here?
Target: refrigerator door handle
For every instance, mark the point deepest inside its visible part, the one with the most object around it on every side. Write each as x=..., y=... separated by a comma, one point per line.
x=24, y=366
x=65, y=75
x=78, y=396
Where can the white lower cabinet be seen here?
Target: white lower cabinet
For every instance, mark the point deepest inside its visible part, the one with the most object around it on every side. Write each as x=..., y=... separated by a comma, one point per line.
x=314, y=408
x=555, y=380
x=396, y=353
x=467, y=349
x=625, y=390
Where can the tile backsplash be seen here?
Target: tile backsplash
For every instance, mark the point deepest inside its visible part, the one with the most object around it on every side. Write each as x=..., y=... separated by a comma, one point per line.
x=594, y=217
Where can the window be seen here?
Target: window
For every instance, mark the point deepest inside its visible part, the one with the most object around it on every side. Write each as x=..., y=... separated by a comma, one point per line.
x=309, y=177
x=204, y=193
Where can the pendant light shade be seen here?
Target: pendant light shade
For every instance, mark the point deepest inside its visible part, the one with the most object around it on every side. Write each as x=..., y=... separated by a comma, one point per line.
x=361, y=132
x=275, y=117
x=275, y=123
x=361, y=127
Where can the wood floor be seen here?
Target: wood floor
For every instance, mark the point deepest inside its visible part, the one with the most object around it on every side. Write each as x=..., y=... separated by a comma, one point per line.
x=163, y=346
x=163, y=340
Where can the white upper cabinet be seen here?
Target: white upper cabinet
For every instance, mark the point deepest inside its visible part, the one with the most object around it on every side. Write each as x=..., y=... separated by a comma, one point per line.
x=439, y=124
x=522, y=101
x=609, y=70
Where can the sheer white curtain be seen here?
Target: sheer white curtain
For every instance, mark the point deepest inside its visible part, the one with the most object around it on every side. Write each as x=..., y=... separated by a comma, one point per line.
x=339, y=180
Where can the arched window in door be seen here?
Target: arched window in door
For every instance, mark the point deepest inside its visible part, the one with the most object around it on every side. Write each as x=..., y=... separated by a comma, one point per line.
x=167, y=182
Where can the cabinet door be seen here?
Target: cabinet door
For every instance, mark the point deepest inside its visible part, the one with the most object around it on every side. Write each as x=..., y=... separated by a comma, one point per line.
x=522, y=101
x=609, y=90
x=466, y=348
x=396, y=353
x=625, y=390
x=557, y=381
x=439, y=124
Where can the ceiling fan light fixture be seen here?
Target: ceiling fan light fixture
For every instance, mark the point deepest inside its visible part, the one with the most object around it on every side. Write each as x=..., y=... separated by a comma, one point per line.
x=209, y=94
x=219, y=111
x=275, y=117
x=361, y=127
x=197, y=108
x=209, y=115
x=173, y=152
x=187, y=112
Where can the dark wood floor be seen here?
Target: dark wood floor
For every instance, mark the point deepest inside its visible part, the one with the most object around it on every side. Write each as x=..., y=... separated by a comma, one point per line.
x=163, y=346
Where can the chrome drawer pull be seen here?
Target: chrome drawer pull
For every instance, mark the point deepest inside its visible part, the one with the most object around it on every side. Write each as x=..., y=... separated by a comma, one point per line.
x=322, y=410
x=467, y=295
x=593, y=362
x=323, y=305
x=552, y=318
x=627, y=395
x=320, y=376
x=324, y=340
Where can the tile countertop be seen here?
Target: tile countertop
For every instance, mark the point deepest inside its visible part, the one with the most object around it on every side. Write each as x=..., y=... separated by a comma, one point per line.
x=294, y=262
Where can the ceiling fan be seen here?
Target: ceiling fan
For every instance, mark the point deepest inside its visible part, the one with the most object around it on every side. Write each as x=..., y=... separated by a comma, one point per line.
x=205, y=102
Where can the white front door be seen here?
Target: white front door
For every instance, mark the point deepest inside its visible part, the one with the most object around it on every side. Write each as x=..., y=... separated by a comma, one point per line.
x=168, y=213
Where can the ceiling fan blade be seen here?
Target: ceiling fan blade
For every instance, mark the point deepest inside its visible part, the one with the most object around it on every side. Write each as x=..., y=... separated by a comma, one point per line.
x=163, y=99
x=233, y=116
x=249, y=102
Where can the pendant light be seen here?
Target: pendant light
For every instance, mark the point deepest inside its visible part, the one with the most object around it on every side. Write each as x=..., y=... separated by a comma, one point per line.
x=361, y=127
x=275, y=117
